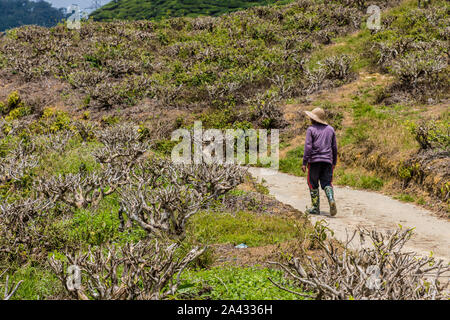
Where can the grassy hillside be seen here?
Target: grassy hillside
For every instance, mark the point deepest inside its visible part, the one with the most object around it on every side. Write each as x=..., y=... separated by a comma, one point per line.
x=157, y=9
x=244, y=58
x=393, y=121
x=86, y=117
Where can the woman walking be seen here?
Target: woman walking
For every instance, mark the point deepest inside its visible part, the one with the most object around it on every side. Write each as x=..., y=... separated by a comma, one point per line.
x=319, y=159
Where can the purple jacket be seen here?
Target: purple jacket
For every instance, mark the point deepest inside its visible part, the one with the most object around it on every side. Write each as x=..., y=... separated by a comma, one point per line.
x=320, y=145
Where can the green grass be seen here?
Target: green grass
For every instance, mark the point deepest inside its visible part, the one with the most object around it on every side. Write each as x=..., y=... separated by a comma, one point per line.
x=292, y=163
x=361, y=109
x=93, y=228
x=98, y=227
x=405, y=197
x=242, y=227
x=38, y=283
x=70, y=161
x=358, y=180
x=355, y=135
x=233, y=283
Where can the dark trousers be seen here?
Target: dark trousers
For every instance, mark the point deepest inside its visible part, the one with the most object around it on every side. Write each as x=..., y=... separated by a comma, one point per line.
x=320, y=172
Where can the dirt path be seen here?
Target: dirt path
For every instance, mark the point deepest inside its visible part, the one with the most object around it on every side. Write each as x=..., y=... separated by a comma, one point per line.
x=362, y=208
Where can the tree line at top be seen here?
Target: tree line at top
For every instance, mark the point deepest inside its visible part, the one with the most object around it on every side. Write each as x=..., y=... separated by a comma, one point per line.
x=16, y=13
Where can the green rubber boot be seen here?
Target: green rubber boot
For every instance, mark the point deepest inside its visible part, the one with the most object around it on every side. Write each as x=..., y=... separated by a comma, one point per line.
x=315, y=201
x=330, y=195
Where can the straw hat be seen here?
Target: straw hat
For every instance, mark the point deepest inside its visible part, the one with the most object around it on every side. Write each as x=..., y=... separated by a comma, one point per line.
x=317, y=115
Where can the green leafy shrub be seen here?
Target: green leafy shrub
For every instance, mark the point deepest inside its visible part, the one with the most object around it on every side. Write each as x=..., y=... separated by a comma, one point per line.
x=412, y=46
x=421, y=73
x=53, y=120
x=165, y=147
x=13, y=101
x=18, y=113
x=431, y=134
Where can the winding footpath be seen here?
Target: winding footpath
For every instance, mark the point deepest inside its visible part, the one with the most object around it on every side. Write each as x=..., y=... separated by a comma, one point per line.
x=366, y=209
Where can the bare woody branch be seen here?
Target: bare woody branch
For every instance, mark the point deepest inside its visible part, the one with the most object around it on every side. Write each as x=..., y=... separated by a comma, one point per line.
x=147, y=270
x=380, y=271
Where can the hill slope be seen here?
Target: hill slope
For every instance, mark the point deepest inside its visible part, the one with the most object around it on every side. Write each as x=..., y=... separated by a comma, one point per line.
x=155, y=9
x=82, y=112
x=239, y=69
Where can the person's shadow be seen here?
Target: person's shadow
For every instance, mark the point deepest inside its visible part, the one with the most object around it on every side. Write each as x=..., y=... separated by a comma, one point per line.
x=325, y=214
